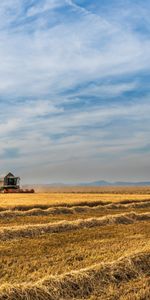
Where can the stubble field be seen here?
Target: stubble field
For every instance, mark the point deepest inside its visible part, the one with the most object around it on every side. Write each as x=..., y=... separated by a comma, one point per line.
x=75, y=244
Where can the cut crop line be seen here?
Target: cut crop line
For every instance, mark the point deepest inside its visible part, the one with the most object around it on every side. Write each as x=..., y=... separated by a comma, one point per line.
x=82, y=283
x=11, y=213
x=15, y=232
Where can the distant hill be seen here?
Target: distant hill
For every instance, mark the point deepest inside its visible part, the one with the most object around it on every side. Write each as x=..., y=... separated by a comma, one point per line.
x=100, y=183
x=117, y=183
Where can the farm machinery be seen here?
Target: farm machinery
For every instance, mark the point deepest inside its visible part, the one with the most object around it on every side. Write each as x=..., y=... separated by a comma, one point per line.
x=16, y=191
x=11, y=184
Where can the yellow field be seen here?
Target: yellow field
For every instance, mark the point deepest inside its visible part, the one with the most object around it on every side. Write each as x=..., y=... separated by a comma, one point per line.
x=75, y=246
x=51, y=199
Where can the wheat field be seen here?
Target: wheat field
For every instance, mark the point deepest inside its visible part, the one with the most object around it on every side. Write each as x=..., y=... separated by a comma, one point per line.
x=75, y=244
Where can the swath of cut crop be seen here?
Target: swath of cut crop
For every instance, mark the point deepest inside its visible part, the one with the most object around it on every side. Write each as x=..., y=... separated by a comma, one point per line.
x=71, y=210
x=14, y=232
x=82, y=283
x=89, y=203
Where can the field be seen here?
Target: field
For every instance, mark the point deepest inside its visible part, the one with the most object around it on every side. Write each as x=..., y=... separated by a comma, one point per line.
x=75, y=244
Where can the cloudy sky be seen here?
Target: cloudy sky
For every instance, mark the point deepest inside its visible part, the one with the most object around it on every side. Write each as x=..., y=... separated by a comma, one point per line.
x=74, y=90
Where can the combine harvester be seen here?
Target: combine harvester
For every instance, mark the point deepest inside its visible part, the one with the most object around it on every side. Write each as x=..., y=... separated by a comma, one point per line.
x=11, y=184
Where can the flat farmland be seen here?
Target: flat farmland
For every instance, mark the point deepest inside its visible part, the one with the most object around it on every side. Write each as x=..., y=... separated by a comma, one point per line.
x=75, y=245
x=68, y=198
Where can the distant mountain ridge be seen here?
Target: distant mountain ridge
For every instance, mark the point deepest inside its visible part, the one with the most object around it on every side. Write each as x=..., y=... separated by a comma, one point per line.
x=99, y=183
x=116, y=183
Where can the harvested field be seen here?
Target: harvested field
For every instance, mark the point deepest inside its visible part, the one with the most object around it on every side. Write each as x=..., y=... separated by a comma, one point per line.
x=84, y=282
x=75, y=246
x=15, y=232
x=45, y=200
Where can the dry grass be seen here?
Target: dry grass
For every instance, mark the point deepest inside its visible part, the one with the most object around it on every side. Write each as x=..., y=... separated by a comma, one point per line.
x=82, y=283
x=93, y=189
x=27, y=259
x=75, y=246
x=8, y=233
x=40, y=214
x=63, y=210
x=67, y=199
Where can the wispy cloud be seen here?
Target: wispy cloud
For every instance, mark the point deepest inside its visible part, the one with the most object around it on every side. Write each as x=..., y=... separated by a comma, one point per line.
x=43, y=6
x=74, y=86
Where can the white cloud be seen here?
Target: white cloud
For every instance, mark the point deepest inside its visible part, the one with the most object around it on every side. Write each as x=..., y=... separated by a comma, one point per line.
x=49, y=62
x=41, y=7
x=69, y=54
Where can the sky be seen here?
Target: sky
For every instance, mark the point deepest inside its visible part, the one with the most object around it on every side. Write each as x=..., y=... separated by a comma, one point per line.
x=74, y=90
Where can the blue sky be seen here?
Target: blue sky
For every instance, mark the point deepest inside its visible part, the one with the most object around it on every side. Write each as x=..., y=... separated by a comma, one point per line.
x=74, y=90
